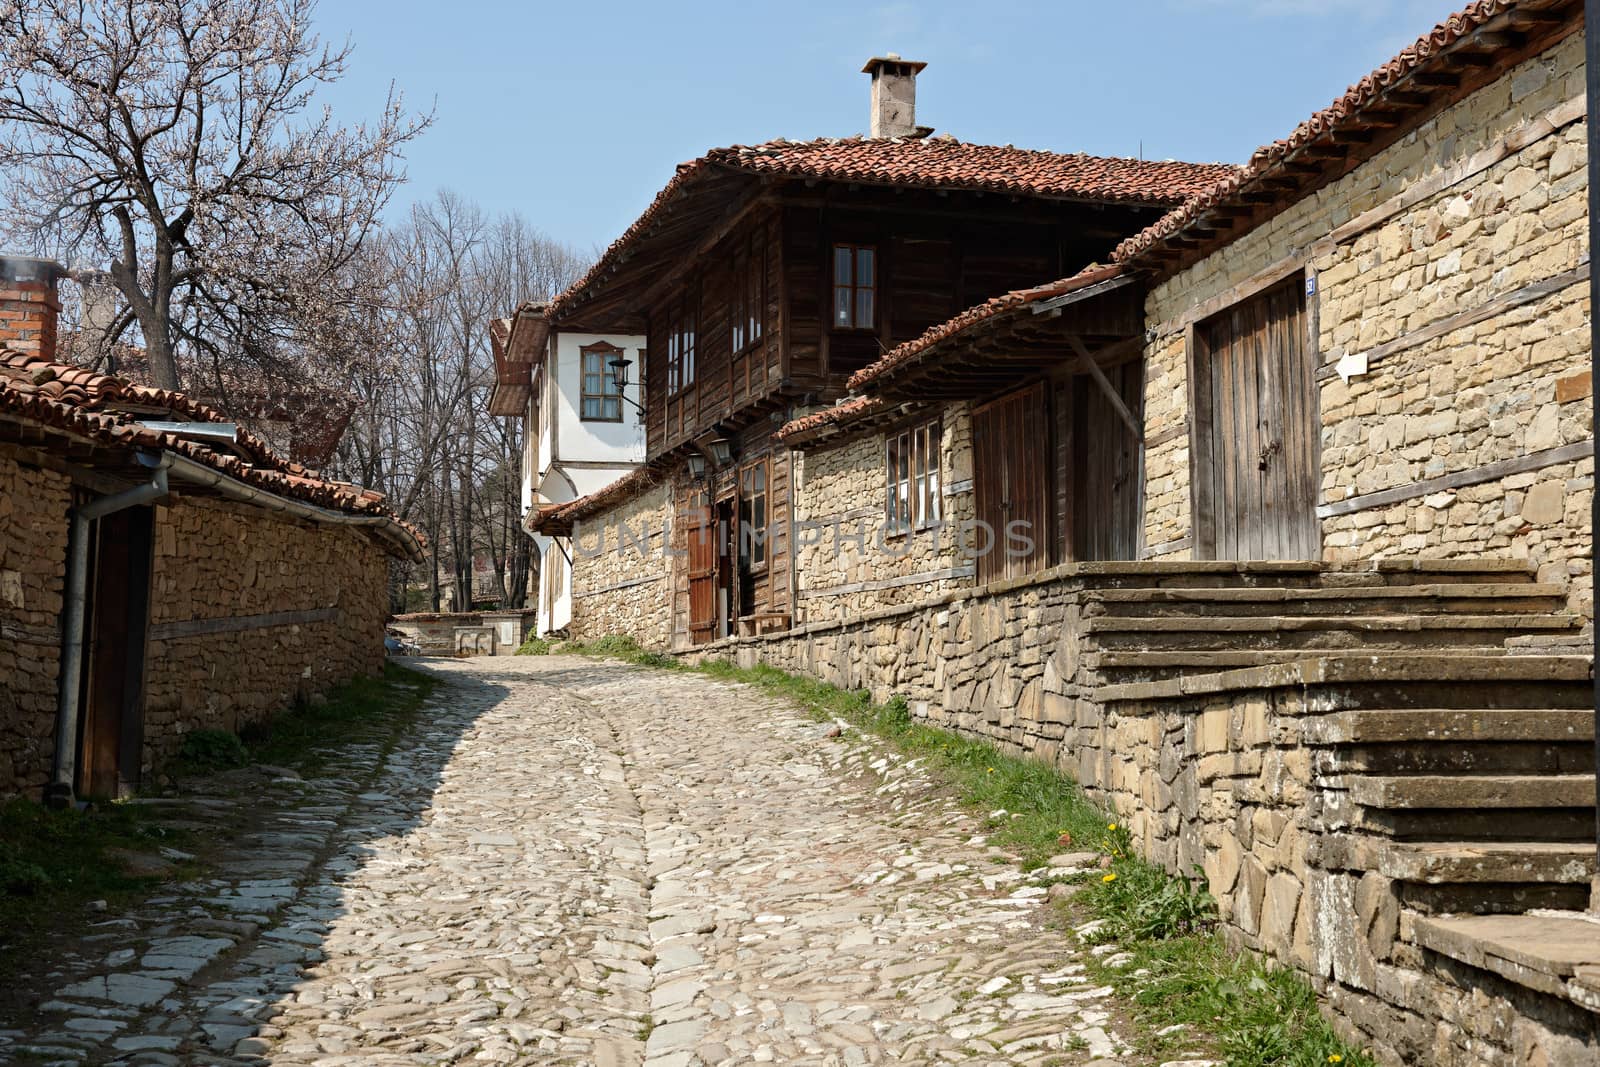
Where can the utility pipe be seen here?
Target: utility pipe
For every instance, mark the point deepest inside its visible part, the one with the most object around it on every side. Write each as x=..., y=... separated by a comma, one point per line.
x=59, y=793
x=188, y=470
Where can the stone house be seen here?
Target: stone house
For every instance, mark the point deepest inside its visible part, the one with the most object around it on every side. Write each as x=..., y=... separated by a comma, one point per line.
x=1271, y=526
x=161, y=570
x=583, y=427
x=760, y=279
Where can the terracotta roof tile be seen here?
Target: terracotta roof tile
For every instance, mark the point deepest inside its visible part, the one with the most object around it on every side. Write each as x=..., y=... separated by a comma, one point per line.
x=1015, y=300
x=93, y=406
x=932, y=163
x=840, y=414
x=557, y=519
x=1422, y=55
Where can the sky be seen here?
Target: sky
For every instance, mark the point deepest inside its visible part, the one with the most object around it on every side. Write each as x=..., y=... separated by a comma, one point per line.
x=575, y=114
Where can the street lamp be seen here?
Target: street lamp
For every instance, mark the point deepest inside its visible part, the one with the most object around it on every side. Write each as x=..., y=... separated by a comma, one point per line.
x=619, y=378
x=721, y=451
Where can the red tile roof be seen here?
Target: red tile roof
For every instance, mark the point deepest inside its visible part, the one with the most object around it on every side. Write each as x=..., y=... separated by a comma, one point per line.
x=1134, y=253
x=101, y=408
x=1016, y=300
x=932, y=163
x=557, y=519
x=819, y=422
x=1346, y=111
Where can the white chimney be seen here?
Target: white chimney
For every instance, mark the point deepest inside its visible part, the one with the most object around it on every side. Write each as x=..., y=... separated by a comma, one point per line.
x=894, y=96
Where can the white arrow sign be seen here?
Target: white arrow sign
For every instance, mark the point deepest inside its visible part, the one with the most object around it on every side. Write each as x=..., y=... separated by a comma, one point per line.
x=1350, y=365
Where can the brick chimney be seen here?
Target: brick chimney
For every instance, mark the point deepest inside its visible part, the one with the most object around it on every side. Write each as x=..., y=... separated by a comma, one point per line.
x=894, y=96
x=29, y=304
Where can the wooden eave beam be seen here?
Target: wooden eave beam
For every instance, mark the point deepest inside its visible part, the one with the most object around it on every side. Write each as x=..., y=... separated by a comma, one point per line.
x=1099, y=376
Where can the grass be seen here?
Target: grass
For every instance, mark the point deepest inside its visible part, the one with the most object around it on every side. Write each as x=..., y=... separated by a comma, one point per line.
x=535, y=646
x=1254, y=1014
x=361, y=709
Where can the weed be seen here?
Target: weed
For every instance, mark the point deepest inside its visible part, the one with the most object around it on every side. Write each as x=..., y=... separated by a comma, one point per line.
x=210, y=750
x=535, y=646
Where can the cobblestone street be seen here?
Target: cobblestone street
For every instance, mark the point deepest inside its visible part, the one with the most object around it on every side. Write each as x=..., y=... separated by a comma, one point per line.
x=579, y=862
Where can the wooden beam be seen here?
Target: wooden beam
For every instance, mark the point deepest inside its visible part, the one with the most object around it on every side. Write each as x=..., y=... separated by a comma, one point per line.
x=737, y=213
x=1106, y=387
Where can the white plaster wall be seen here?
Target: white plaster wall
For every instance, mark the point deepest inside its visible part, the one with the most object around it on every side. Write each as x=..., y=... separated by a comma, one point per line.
x=594, y=442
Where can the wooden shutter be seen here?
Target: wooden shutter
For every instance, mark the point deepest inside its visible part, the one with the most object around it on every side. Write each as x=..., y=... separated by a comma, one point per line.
x=1256, y=464
x=702, y=574
x=1011, y=482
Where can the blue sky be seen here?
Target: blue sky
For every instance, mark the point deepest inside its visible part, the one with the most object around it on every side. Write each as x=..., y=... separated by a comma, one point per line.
x=576, y=113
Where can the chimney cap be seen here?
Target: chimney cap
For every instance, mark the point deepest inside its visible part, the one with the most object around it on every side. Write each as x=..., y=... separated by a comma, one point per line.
x=30, y=269
x=892, y=59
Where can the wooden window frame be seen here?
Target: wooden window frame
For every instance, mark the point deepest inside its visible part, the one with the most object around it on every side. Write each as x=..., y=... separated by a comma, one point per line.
x=855, y=288
x=913, y=477
x=747, y=496
x=747, y=311
x=682, y=325
x=609, y=396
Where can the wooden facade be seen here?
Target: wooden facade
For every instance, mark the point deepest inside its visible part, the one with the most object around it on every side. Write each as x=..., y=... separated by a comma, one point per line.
x=770, y=309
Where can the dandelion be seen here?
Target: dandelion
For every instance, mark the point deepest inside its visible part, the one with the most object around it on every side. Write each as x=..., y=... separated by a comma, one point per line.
x=1109, y=878
x=1111, y=826
x=991, y=770
x=1335, y=1058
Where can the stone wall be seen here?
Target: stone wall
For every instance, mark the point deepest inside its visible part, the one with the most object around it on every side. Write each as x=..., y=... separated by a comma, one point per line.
x=436, y=632
x=846, y=561
x=621, y=572
x=33, y=554
x=1473, y=367
x=249, y=613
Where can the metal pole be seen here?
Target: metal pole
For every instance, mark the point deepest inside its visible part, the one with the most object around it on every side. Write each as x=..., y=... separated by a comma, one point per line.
x=1591, y=50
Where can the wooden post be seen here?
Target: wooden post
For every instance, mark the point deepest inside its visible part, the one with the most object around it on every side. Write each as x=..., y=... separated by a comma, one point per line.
x=1106, y=387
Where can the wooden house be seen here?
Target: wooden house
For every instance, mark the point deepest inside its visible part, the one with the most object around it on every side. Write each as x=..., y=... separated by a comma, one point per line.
x=763, y=277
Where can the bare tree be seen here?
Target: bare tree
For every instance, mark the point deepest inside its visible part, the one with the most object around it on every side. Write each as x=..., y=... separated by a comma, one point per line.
x=422, y=433
x=178, y=142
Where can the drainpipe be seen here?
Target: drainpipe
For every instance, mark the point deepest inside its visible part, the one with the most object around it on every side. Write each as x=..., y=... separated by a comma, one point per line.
x=59, y=793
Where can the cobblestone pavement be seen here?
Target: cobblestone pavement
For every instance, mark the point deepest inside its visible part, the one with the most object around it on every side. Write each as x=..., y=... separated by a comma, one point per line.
x=585, y=863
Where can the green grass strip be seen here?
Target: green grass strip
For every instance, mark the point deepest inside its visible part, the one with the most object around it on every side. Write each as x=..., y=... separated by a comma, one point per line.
x=1258, y=1014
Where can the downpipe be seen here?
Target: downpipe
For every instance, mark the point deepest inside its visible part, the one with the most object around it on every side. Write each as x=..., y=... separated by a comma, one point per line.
x=1591, y=51
x=59, y=793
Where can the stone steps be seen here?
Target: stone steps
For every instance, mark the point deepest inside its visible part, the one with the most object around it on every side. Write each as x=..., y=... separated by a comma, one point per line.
x=1472, y=791
x=1558, y=955
x=1302, y=633
x=1431, y=598
x=1504, y=862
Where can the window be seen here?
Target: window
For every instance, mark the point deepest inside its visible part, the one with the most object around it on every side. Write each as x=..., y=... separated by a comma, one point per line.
x=680, y=349
x=601, y=400
x=911, y=461
x=753, y=514
x=855, y=287
x=748, y=312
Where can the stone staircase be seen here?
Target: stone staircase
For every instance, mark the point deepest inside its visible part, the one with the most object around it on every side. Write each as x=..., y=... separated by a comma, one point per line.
x=1449, y=735
x=1147, y=622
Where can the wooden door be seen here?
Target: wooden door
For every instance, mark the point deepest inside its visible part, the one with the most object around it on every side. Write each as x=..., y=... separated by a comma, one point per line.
x=1099, y=477
x=1011, y=482
x=702, y=574
x=111, y=723
x=1256, y=431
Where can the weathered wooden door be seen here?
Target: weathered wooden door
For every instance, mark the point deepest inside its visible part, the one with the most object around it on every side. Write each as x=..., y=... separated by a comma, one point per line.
x=111, y=725
x=1011, y=482
x=1099, y=482
x=702, y=574
x=1256, y=431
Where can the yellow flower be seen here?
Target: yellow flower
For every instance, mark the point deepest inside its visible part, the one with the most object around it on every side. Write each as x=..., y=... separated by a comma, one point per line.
x=1109, y=878
x=1335, y=1058
x=991, y=770
x=1111, y=826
